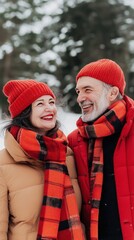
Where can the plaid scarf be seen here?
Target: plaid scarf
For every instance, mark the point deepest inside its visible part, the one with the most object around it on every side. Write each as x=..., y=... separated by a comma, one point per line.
x=106, y=125
x=59, y=218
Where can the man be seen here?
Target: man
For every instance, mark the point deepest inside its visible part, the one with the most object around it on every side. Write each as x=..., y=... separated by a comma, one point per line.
x=103, y=145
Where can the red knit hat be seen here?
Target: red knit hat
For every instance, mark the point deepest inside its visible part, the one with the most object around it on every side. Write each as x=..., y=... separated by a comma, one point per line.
x=106, y=71
x=22, y=93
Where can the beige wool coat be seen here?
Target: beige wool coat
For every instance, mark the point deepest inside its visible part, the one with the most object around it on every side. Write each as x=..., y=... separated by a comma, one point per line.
x=21, y=192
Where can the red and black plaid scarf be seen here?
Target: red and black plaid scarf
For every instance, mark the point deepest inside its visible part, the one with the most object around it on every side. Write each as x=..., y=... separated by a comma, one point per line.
x=59, y=218
x=109, y=123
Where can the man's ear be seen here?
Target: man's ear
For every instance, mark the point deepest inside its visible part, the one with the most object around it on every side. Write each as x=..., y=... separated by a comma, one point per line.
x=113, y=93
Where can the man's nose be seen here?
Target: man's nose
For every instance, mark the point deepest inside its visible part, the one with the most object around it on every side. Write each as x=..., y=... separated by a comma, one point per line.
x=81, y=97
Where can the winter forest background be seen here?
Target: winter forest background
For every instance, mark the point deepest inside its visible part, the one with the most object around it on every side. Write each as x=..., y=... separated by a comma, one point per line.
x=50, y=40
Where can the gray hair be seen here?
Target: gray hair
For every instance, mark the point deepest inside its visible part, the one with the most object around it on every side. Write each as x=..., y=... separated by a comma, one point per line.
x=108, y=86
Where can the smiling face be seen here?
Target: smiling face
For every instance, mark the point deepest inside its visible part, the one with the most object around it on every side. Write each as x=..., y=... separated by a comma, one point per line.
x=93, y=98
x=44, y=113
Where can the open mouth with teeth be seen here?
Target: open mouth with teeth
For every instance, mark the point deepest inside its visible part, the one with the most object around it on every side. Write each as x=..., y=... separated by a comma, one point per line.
x=47, y=117
x=87, y=106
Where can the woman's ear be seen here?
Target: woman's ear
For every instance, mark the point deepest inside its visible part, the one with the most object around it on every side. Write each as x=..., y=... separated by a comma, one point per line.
x=114, y=91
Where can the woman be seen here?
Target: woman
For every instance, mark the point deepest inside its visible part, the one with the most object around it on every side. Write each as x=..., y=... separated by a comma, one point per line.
x=37, y=200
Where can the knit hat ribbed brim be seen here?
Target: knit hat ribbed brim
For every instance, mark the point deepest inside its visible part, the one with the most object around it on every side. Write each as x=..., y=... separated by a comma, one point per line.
x=106, y=71
x=22, y=93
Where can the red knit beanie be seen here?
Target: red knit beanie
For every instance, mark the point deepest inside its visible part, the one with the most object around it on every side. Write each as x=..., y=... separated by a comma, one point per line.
x=106, y=71
x=22, y=93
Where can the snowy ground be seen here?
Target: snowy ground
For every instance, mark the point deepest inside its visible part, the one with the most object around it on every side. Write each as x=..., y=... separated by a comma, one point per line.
x=67, y=120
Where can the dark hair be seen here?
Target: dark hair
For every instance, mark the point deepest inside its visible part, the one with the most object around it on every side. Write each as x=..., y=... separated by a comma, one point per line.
x=23, y=120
